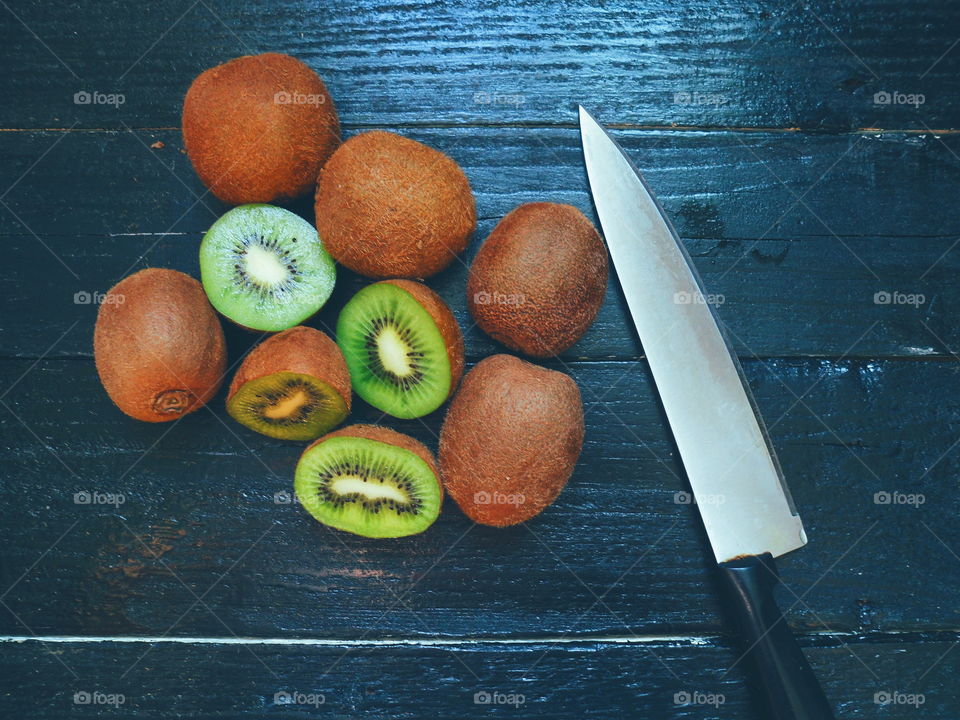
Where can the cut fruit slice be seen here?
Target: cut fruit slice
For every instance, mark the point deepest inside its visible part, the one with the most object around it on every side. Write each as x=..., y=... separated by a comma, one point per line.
x=370, y=481
x=403, y=347
x=265, y=268
x=292, y=386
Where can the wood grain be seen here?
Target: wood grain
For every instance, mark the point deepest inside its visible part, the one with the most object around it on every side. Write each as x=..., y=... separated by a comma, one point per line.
x=707, y=63
x=583, y=679
x=617, y=553
x=790, y=286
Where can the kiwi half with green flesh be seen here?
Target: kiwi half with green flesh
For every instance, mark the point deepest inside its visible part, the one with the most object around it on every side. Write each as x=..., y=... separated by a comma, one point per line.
x=370, y=481
x=265, y=268
x=292, y=386
x=403, y=347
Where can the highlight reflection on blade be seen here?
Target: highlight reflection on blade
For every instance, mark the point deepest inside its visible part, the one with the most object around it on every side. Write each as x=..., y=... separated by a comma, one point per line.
x=733, y=472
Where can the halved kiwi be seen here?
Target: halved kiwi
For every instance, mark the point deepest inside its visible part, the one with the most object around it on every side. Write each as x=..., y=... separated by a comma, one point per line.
x=370, y=481
x=292, y=386
x=265, y=268
x=403, y=347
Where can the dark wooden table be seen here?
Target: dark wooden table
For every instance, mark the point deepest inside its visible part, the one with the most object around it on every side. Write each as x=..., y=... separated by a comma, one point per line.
x=810, y=158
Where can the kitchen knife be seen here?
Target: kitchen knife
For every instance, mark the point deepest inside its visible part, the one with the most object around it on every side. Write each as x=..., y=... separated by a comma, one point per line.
x=733, y=472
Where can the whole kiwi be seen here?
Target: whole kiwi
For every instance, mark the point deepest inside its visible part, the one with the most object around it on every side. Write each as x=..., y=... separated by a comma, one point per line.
x=388, y=206
x=510, y=440
x=259, y=128
x=539, y=279
x=158, y=345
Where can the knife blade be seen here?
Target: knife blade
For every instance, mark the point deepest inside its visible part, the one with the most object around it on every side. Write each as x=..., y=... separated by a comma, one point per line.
x=733, y=471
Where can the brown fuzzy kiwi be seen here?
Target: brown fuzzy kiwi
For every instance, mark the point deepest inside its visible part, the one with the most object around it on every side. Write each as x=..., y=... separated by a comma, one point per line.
x=259, y=128
x=539, y=279
x=388, y=206
x=510, y=440
x=292, y=386
x=158, y=345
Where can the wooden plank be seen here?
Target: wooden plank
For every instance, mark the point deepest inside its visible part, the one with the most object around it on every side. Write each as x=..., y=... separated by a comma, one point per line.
x=583, y=680
x=779, y=298
x=790, y=287
x=616, y=554
x=709, y=63
x=730, y=185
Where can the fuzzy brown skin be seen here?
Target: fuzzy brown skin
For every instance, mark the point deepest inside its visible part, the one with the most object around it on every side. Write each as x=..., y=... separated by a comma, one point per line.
x=390, y=437
x=387, y=206
x=160, y=353
x=539, y=280
x=245, y=142
x=301, y=350
x=445, y=321
x=514, y=433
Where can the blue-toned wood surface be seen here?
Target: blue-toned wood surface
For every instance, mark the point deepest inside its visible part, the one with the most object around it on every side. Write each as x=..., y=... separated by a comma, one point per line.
x=809, y=156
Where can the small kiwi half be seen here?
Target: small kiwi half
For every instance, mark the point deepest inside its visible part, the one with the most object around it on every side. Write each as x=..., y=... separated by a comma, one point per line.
x=370, y=481
x=403, y=347
x=292, y=386
x=265, y=268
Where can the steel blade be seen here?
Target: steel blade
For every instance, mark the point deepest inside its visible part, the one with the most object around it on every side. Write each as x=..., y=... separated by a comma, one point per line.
x=733, y=471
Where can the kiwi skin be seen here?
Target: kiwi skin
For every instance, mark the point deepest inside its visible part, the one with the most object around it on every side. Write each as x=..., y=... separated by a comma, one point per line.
x=302, y=350
x=388, y=206
x=445, y=321
x=512, y=436
x=539, y=279
x=160, y=351
x=247, y=144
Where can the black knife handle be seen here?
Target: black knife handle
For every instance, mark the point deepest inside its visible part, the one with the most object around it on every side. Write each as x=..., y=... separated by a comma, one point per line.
x=786, y=681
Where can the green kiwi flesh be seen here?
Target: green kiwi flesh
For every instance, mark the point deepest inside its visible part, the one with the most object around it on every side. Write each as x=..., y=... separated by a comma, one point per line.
x=288, y=406
x=395, y=352
x=265, y=268
x=367, y=487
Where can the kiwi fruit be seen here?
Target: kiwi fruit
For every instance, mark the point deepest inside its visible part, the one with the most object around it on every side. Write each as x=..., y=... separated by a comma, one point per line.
x=403, y=347
x=370, y=481
x=265, y=268
x=259, y=128
x=292, y=386
x=539, y=279
x=388, y=206
x=158, y=346
x=510, y=440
